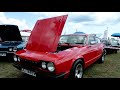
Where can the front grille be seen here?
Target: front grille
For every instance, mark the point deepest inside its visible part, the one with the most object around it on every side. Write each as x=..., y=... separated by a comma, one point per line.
x=3, y=49
x=29, y=63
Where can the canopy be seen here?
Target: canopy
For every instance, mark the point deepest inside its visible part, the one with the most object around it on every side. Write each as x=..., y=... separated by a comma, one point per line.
x=116, y=35
x=79, y=33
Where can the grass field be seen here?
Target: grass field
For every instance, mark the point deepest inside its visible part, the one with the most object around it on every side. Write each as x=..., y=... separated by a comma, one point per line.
x=109, y=69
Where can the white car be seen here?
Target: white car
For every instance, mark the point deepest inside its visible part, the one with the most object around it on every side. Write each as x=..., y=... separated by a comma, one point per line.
x=25, y=36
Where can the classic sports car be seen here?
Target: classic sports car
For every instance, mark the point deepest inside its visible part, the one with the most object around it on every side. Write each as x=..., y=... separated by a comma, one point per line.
x=50, y=54
x=10, y=41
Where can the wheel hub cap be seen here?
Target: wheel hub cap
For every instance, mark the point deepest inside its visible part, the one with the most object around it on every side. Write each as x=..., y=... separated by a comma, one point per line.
x=78, y=71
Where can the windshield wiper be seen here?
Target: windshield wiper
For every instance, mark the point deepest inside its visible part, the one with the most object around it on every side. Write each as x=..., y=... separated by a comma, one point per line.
x=79, y=43
x=64, y=43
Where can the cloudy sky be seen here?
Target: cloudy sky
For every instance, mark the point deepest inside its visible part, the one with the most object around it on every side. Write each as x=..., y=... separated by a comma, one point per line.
x=88, y=22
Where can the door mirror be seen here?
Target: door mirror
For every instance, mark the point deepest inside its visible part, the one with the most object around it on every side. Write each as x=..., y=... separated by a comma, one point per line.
x=93, y=42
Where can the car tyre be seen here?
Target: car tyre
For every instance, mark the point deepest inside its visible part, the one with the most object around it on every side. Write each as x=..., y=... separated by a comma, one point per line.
x=102, y=58
x=77, y=69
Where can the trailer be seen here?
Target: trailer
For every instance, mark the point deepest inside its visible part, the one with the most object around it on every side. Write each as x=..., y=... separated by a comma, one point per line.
x=111, y=49
x=110, y=46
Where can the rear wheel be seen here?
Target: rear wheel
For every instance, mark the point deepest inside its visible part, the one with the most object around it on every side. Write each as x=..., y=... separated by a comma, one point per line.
x=77, y=69
x=105, y=52
x=102, y=58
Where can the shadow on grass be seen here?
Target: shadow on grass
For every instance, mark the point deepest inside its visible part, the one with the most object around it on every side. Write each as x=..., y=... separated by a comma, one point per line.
x=6, y=60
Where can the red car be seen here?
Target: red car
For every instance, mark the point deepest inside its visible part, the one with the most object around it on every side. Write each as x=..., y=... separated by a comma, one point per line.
x=48, y=53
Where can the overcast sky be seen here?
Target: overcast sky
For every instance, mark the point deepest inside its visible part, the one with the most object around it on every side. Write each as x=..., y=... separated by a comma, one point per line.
x=88, y=22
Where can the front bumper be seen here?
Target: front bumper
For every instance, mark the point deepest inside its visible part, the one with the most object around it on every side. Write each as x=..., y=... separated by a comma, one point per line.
x=6, y=54
x=39, y=73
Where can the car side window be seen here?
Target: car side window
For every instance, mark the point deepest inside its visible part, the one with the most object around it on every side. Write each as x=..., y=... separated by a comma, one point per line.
x=91, y=38
x=98, y=40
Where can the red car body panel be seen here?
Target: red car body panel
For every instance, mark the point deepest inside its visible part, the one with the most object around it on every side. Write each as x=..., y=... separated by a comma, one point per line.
x=45, y=34
x=64, y=59
x=43, y=43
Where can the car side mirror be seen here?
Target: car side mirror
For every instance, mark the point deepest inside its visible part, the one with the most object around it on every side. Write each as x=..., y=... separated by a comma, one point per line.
x=109, y=44
x=93, y=42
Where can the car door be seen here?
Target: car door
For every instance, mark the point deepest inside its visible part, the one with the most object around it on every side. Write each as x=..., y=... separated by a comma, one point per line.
x=99, y=46
x=91, y=51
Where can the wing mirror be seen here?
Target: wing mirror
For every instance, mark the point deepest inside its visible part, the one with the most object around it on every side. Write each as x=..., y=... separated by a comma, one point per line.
x=93, y=42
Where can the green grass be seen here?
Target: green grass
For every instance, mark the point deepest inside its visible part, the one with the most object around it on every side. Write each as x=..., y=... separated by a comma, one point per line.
x=109, y=69
x=8, y=71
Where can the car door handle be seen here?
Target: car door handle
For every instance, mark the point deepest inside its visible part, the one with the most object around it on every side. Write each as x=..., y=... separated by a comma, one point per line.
x=89, y=46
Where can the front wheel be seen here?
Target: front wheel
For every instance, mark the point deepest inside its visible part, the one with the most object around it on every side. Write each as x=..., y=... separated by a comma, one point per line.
x=77, y=69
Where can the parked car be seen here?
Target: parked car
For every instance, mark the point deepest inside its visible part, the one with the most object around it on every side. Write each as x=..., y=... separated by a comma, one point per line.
x=10, y=41
x=25, y=36
x=114, y=42
x=50, y=54
x=111, y=45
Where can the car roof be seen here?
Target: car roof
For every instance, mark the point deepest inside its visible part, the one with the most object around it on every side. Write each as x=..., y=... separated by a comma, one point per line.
x=7, y=25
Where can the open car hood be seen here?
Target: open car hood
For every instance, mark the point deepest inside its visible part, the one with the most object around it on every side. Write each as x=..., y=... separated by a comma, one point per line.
x=45, y=34
x=9, y=33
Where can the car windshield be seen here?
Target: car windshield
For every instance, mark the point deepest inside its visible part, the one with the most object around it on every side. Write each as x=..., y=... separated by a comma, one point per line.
x=73, y=39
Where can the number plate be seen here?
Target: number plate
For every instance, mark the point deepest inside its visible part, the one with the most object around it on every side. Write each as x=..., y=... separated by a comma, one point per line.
x=2, y=54
x=28, y=72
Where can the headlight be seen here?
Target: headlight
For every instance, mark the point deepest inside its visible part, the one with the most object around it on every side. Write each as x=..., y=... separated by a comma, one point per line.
x=44, y=65
x=50, y=67
x=15, y=58
x=14, y=49
x=10, y=49
x=18, y=59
